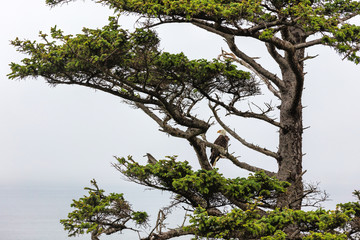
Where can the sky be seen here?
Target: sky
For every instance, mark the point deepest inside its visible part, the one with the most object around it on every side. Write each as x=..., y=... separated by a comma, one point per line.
x=68, y=135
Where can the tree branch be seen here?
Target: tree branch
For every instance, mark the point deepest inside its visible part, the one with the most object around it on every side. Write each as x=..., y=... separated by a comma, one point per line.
x=200, y=149
x=309, y=44
x=177, y=232
x=236, y=112
x=176, y=132
x=240, y=139
x=190, y=134
x=253, y=32
x=276, y=56
x=232, y=57
x=235, y=161
x=254, y=65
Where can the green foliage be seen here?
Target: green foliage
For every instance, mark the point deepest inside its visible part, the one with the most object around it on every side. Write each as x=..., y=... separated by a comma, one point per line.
x=209, y=8
x=126, y=64
x=202, y=190
x=202, y=187
x=266, y=34
x=325, y=236
x=318, y=224
x=98, y=213
x=279, y=235
x=130, y=65
x=321, y=17
x=140, y=217
x=254, y=191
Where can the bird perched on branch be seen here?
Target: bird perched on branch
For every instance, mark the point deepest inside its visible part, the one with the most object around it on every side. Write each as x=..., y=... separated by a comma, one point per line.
x=222, y=141
x=151, y=159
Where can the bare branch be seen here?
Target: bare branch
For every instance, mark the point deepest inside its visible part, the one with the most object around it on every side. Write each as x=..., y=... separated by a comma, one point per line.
x=276, y=56
x=190, y=134
x=254, y=65
x=264, y=111
x=177, y=232
x=240, y=139
x=160, y=221
x=176, y=132
x=224, y=32
x=235, y=161
x=232, y=57
x=239, y=113
x=313, y=196
x=200, y=149
x=309, y=44
x=308, y=57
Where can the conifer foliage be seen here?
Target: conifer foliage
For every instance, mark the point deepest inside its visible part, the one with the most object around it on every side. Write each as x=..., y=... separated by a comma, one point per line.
x=169, y=88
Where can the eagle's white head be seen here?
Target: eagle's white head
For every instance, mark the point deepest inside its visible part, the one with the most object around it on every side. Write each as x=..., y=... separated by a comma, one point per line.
x=222, y=132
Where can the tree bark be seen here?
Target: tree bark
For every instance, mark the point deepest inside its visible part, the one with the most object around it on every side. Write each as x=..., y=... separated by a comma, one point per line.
x=290, y=135
x=290, y=154
x=200, y=149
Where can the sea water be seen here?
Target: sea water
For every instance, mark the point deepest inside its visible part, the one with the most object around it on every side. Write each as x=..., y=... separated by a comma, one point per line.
x=34, y=213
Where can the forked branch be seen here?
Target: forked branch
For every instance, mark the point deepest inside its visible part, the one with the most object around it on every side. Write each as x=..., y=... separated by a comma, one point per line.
x=235, y=161
x=232, y=57
x=240, y=139
x=248, y=114
x=176, y=232
x=254, y=65
x=189, y=134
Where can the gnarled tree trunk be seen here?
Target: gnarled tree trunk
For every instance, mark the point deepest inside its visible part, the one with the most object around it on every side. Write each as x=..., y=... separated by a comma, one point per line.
x=290, y=134
x=290, y=155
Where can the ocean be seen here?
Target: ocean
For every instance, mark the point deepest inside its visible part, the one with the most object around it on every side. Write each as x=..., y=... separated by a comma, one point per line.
x=34, y=212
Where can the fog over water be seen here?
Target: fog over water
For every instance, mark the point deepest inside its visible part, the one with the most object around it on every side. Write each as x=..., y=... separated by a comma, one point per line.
x=53, y=141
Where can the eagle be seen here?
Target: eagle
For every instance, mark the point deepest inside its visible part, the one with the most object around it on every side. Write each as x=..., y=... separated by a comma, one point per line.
x=222, y=141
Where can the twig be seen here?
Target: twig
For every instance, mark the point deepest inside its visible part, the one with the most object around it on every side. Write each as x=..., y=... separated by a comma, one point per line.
x=240, y=139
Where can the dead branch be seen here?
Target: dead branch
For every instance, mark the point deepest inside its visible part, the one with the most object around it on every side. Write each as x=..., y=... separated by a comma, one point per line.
x=253, y=64
x=240, y=139
x=160, y=221
x=176, y=232
x=232, y=57
x=308, y=57
x=239, y=113
x=235, y=161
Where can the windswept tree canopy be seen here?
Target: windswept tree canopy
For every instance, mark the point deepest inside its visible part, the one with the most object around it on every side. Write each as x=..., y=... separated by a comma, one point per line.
x=326, y=20
x=165, y=86
x=248, y=201
x=170, y=88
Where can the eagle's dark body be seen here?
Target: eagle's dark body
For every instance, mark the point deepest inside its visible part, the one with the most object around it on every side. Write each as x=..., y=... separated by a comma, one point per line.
x=222, y=141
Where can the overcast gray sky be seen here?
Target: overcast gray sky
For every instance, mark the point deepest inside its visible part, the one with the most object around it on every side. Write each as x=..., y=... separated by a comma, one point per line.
x=68, y=135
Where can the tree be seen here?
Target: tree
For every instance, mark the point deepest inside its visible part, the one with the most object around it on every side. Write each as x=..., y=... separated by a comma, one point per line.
x=170, y=87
